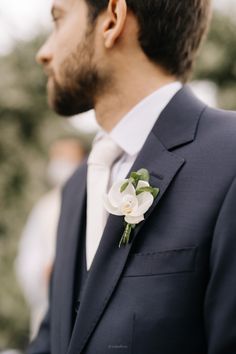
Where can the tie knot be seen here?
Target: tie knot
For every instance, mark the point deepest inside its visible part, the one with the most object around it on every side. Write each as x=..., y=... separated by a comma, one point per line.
x=104, y=152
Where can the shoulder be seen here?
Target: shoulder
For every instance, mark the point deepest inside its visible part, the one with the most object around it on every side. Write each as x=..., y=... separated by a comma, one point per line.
x=216, y=139
x=219, y=125
x=223, y=118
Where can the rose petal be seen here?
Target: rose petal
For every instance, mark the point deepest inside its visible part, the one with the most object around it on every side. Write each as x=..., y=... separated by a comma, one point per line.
x=145, y=200
x=142, y=184
x=114, y=195
x=109, y=207
x=134, y=219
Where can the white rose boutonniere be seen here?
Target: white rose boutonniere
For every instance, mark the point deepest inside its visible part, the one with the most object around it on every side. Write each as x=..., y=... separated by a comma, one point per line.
x=131, y=198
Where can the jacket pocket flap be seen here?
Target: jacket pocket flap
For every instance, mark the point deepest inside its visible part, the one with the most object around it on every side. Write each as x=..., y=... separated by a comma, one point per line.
x=163, y=262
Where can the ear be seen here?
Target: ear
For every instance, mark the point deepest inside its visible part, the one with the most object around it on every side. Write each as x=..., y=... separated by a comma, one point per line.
x=114, y=21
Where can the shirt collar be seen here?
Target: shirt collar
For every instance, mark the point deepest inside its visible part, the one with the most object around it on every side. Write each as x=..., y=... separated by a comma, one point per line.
x=133, y=129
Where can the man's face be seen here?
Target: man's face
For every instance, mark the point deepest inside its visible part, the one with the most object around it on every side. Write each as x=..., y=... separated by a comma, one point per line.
x=69, y=59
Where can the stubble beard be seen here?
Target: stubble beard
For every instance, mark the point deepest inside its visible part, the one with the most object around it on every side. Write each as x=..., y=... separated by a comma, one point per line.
x=81, y=82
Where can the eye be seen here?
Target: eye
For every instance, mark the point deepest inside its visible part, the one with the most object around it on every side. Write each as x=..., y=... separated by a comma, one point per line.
x=57, y=14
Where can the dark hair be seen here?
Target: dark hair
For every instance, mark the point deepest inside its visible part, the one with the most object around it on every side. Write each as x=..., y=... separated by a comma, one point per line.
x=170, y=31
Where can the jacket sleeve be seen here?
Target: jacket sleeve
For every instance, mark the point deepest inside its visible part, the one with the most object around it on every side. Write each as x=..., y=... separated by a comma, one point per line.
x=220, y=299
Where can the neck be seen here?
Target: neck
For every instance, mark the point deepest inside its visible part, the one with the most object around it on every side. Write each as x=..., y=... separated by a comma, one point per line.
x=112, y=106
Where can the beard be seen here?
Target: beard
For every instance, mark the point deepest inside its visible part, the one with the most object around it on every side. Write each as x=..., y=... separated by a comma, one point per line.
x=81, y=81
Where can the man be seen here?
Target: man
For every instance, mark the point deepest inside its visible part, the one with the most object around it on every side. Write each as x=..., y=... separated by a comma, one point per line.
x=172, y=288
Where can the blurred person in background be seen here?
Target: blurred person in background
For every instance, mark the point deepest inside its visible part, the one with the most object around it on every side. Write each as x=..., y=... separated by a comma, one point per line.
x=170, y=288
x=37, y=244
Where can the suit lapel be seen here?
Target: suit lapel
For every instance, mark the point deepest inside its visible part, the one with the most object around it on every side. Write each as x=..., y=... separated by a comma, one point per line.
x=71, y=224
x=163, y=165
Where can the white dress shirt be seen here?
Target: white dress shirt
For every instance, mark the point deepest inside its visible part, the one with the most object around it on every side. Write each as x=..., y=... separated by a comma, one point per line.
x=133, y=129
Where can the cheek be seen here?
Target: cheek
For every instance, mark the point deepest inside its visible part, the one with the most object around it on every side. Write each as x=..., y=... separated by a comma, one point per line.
x=64, y=46
x=73, y=31
x=67, y=38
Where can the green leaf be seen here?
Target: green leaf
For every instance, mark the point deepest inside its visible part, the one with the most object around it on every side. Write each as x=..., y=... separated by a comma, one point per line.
x=155, y=192
x=144, y=189
x=135, y=176
x=124, y=186
x=143, y=174
x=132, y=180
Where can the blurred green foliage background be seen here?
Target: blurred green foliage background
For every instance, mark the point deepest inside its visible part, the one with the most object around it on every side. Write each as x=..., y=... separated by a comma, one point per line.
x=27, y=127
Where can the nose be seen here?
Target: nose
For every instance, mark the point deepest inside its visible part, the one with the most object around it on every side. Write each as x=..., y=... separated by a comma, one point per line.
x=44, y=55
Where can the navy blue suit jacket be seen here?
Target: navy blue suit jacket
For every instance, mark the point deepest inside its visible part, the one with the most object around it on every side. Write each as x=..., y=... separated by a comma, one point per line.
x=172, y=290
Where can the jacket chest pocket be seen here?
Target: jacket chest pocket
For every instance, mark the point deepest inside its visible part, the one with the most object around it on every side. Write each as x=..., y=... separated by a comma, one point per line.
x=161, y=262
